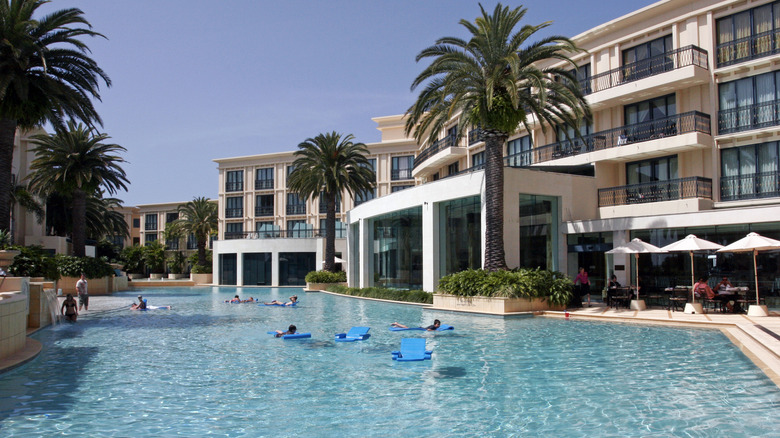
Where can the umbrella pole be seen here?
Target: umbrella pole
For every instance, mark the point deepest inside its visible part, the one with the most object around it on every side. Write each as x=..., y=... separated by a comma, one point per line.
x=755, y=272
x=636, y=256
x=693, y=279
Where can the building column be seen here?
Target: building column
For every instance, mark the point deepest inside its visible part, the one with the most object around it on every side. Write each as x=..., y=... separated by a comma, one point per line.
x=366, y=253
x=274, y=268
x=239, y=268
x=430, y=246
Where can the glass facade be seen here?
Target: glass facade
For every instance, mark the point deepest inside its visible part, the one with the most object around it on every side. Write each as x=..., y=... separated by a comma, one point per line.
x=518, y=152
x=257, y=269
x=460, y=239
x=293, y=267
x=397, y=249
x=341, y=229
x=538, y=217
x=227, y=269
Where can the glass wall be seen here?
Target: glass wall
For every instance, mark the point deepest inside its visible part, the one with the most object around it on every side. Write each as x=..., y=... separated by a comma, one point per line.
x=538, y=232
x=460, y=238
x=227, y=269
x=397, y=249
x=293, y=267
x=354, y=251
x=257, y=269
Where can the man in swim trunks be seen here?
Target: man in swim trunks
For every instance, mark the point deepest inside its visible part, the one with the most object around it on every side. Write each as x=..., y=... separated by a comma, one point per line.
x=81, y=287
x=290, y=331
x=70, y=309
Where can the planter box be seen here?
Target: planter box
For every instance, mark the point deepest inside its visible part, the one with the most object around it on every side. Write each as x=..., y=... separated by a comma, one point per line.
x=497, y=305
x=202, y=278
x=321, y=286
x=7, y=257
x=95, y=286
x=176, y=276
x=156, y=276
x=136, y=276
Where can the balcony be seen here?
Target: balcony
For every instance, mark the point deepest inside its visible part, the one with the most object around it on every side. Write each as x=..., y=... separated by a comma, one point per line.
x=282, y=234
x=234, y=212
x=400, y=174
x=751, y=186
x=745, y=49
x=296, y=209
x=746, y=118
x=476, y=136
x=605, y=145
x=656, y=191
x=441, y=152
x=264, y=184
x=324, y=208
x=264, y=210
x=669, y=71
x=234, y=186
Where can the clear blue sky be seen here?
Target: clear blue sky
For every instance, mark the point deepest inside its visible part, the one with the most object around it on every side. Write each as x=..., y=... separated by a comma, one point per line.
x=195, y=80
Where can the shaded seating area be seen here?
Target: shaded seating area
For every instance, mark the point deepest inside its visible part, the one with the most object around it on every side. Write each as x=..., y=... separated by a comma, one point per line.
x=679, y=298
x=618, y=297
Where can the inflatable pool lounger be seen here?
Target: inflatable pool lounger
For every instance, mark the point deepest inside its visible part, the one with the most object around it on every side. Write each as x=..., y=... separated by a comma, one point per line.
x=293, y=336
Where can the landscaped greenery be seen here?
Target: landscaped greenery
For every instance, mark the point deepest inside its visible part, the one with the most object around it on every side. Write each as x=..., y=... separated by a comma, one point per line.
x=326, y=277
x=198, y=217
x=154, y=257
x=201, y=269
x=176, y=263
x=34, y=261
x=133, y=259
x=71, y=266
x=553, y=286
x=411, y=296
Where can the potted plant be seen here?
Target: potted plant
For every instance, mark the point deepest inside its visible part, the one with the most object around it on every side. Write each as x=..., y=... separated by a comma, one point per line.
x=176, y=265
x=133, y=259
x=320, y=280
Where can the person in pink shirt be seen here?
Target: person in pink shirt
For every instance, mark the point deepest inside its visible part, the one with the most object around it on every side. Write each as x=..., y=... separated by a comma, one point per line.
x=582, y=280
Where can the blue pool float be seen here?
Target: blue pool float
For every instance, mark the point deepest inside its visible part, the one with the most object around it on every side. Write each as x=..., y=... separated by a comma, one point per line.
x=441, y=328
x=293, y=336
x=279, y=305
x=354, y=334
x=412, y=349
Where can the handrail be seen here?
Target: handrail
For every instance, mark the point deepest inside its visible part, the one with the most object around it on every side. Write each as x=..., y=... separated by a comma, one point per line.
x=308, y=233
x=750, y=186
x=747, y=48
x=264, y=184
x=745, y=118
x=438, y=145
x=656, y=191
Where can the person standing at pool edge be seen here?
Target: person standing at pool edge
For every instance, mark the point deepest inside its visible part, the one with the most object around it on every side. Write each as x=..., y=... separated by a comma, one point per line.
x=81, y=287
x=582, y=280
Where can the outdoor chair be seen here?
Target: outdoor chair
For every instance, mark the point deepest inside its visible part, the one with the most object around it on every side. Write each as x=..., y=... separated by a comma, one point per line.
x=679, y=299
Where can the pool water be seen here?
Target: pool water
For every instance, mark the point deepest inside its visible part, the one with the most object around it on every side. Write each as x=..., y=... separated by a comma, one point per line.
x=207, y=367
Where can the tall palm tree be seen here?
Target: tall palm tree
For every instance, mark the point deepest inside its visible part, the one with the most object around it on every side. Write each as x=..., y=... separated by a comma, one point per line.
x=198, y=217
x=45, y=75
x=76, y=163
x=331, y=164
x=493, y=81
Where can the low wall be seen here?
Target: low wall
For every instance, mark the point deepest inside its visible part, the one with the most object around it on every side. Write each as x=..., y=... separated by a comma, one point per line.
x=95, y=286
x=120, y=283
x=13, y=318
x=320, y=286
x=202, y=278
x=43, y=306
x=496, y=305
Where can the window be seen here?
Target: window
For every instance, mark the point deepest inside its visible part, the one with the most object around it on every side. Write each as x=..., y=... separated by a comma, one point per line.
x=748, y=35
x=582, y=74
x=234, y=230
x=660, y=169
x=750, y=172
x=749, y=103
x=170, y=217
x=136, y=241
x=234, y=181
x=149, y=238
x=452, y=134
x=295, y=204
x=365, y=196
x=290, y=170
x=192, y=242
x=324, y=206
x=341, y=229
x=478, y=159
x=299, y=229
x=394, y=189
x=234, y=206
x=452, y=169
x=264, y=178
x=647, y=59
x=518, y=152
x=402, y=168
x=150, y=223
x=264, y=205
x=651, y=118
x=136, y=222
x=266, y=230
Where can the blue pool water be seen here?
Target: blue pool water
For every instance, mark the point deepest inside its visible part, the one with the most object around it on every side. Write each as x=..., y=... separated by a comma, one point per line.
x=206, y=367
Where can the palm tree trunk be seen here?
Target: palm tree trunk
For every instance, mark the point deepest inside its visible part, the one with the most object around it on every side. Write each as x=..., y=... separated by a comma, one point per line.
x=330, y=233
x=201, y=250
x=7, y=135
x=79, y=235
x=495, y=258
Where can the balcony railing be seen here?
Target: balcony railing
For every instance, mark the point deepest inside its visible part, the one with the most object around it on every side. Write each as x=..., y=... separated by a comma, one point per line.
x=438, y=145
x=752, y=47
x=475, y=136
x=634, y=71
x=296, y=209
x=150, y=226
x=656, y=191
x=324, y=208
x=756, y=116
x=751, y=186
x=234, y=212
x=264, y=210
x=284, y=234
x=692, y=121
x=264, y=184
x=234, y=186
x=400, y=174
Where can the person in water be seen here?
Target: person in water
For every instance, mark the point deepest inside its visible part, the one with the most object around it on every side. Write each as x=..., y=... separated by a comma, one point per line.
x=141, y=305
x=293, y=300
x=435, y=326
x=290, y=331
x=235, y=299
x=70, y=308
x=250, y=300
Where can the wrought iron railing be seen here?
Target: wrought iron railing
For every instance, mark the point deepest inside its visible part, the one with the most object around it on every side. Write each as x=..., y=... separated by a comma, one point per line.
x=750, y=186
x=234, y=186
x=751, y=47
x=634, y=71
x=692, y=121
x=284, y=234
x=264, y=210
x=296, y=209
x=475, y=136
x=324, y=208
x=400, y=174
x=264, y=184
x=656, y=191
x=150, y=226
x=438, y=145
x=234, y=212
x=759, y=115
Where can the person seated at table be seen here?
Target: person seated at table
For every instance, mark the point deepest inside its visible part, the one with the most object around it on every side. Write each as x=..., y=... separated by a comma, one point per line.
x=724, y=284
x=613, y=283
x=702, y=289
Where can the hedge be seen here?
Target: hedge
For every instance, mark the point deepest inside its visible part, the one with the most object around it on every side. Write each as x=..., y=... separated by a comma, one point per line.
x=409, y=296
x=520, y=283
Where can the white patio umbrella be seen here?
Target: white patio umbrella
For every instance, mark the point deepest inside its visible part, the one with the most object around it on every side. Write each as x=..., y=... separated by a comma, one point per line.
x=692, y=244
x=636, y=247
x=754, y=243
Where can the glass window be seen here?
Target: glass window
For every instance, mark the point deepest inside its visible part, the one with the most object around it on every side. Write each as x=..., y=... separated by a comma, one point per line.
x=324, y=205
x=364, y=196
x=659, y=169
x=150, y=237
x=136, y=222
x=150, y=222
x=234, y=181
x=234, y=206
x=266, y=229
x=295, y=204
x=394, y=189
x=651, y=118
x=341, y=229
x=170, y=217
x=749, y=103
x=257, y=269
x=299, y=229
x=750, y=172
x=293, y=267
x=538, y=217
x=748, y=34
x=264, y=178
x=402, y=167
x=228, y=269
x=290, y=170
x=648, y=59
x=518, y=151
x=478, y=159
x=452, y=169
x=234, y=230
x=397, y=249
x=264, y=205
x=460, y=228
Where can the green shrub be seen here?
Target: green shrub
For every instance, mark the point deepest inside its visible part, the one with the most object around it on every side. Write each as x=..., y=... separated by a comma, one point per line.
x=409, y=296
x=34, y=261
x=198, y=269
x=521, y=283
x=133, y=259
x=326, y=277
x=71, y=266
x=176, y=263
x=154, y=257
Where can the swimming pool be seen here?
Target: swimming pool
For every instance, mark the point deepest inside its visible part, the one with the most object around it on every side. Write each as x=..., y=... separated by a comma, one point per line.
x=209, y=367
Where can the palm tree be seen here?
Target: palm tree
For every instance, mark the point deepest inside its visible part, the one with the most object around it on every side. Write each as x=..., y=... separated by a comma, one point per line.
x=331, y=164
x=45, y=75
x=76, y=163
x=198, y=217
x=493, y=81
